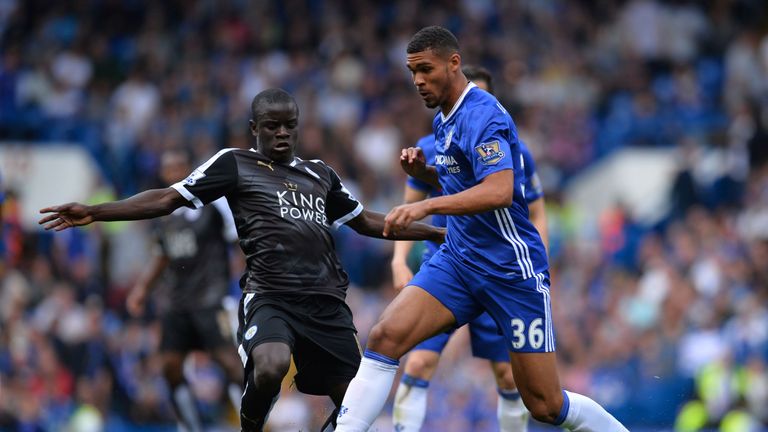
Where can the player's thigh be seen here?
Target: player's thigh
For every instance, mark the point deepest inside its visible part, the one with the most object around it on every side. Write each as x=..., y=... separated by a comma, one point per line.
x=413, y=316
x=326, y=359
x=435, y=301
x=487, y=341
x=522, y=311
x=265, y=325
x=177, y=332
x=536, y=378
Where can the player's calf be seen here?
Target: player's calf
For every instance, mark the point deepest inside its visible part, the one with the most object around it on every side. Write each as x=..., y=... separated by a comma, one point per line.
x=544, y=407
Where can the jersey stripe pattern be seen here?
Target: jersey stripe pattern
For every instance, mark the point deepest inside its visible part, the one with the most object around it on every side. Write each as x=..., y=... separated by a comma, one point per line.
x=476, y=139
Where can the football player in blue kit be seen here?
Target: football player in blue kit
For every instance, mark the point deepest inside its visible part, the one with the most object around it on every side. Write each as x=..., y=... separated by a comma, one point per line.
x=493, y=259
x=411, y=397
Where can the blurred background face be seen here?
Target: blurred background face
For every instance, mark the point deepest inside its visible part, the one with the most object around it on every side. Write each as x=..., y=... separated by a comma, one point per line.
x=174, y=168
x=482, y=84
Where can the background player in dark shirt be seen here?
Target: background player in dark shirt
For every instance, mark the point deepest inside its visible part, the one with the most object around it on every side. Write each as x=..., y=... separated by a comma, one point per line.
x=294, y=288
x=192, y=250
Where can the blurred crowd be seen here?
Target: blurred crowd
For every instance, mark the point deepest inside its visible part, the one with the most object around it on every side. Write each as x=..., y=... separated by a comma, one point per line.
x=664, y=324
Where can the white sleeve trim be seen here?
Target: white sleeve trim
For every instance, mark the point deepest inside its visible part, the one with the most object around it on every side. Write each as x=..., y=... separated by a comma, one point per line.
x=348, y=217
x=229, y=231
x=187, y=194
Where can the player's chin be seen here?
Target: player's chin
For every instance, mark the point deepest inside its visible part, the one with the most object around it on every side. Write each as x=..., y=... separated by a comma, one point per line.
x=431, y=103
x=282, y=153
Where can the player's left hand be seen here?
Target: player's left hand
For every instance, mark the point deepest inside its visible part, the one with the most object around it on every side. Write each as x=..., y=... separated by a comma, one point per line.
x=403, y=215
x=65, y=216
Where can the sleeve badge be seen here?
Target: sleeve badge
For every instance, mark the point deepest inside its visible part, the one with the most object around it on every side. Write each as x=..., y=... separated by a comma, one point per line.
x=489, y=152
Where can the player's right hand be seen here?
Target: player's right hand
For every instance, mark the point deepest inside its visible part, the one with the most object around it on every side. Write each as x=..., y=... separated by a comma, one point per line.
x=401, y=275
x=65, y=216
x=413, y=161
x=136, y=300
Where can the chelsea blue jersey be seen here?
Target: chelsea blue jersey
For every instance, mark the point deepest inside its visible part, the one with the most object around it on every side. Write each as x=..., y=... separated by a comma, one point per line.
x=476, y=139
x=532, y=184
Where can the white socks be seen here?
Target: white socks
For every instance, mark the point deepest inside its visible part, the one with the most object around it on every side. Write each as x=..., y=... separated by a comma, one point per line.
x=581, y=414
x=410, y=404
x=186, y=409
x=511, y=412
x=367, y=392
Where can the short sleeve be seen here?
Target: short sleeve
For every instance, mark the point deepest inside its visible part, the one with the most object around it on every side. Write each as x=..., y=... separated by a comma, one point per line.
x=491, y=142
x=211, y=180
x=340, y=206
x=533, y=188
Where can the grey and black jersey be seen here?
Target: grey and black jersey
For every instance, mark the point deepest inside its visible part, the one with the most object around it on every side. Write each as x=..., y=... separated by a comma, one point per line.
x=283, y=214
x=196, y=243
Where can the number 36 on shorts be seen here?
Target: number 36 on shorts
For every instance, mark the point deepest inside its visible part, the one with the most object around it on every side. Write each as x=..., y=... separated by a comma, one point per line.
x=533, y=335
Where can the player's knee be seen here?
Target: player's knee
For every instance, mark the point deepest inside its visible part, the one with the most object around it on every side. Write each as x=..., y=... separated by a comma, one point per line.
x=420, y=366
x=542, y=408
x=269, y=370
x=386, y=338
x=503, y=374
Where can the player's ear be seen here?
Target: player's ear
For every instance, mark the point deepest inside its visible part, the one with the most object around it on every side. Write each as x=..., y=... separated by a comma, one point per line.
x=252, y=127
x=454, y=62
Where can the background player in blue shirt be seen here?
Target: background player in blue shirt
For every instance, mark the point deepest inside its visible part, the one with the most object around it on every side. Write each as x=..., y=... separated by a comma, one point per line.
x=411, y=397
x=493, y=259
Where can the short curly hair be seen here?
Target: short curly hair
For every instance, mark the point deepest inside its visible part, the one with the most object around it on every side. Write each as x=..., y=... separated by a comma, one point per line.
x=436, y=38
x=270, y=96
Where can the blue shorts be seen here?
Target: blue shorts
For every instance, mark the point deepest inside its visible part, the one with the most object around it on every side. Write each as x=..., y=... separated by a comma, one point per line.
x=487, y=343
x=521, y=309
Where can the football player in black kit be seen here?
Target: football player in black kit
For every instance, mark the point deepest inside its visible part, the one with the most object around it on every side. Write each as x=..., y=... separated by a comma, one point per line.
x=192, y=250
x=294, y=288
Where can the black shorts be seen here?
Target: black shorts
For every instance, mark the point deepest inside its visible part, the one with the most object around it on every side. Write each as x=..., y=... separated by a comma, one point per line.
x=201, y=329
x=318, y=329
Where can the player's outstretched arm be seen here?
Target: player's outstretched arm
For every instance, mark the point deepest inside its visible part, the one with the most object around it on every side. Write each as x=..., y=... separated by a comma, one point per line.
x=494, y=192
x=401, y=273
x=372, y=224
x=413, y=162
x=144, y=205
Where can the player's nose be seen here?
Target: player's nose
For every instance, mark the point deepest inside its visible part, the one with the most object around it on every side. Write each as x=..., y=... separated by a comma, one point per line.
x=418, y=81
x=282, y=131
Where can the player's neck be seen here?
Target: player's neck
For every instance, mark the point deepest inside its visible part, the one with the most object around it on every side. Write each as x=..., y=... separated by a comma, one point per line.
x=457, y=88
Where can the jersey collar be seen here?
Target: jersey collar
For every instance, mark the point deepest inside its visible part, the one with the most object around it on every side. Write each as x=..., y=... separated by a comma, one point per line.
x=292, y=163
x=470, y=86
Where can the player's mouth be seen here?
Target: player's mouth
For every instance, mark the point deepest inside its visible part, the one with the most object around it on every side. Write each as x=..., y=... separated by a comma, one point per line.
x=424, y=95
x=282, y=146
